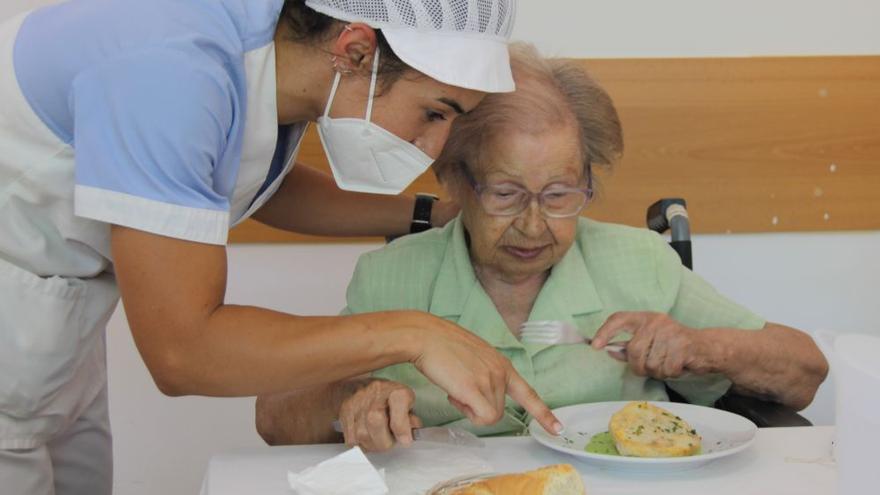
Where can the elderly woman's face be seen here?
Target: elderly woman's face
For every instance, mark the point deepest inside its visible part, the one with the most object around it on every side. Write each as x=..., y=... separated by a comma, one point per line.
x=520, y=246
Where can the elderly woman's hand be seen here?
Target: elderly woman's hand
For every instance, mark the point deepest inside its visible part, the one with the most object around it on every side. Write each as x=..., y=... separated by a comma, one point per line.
x=379, y=414
x=660, y=346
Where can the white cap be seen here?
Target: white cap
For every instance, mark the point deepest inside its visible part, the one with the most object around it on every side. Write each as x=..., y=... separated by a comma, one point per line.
x=458, y=42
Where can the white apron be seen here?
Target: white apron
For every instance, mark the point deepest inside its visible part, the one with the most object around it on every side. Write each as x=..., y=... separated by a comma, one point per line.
x=57, y=290
x=55, y=298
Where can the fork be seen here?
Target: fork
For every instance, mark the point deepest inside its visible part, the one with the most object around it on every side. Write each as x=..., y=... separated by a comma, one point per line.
x=550, y=332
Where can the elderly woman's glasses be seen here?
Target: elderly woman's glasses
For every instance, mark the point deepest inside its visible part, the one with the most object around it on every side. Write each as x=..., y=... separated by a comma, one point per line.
x=553, y=202
x=507, y=200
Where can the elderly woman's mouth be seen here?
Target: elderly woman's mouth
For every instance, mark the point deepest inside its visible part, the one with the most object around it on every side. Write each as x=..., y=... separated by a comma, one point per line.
x=524, y=252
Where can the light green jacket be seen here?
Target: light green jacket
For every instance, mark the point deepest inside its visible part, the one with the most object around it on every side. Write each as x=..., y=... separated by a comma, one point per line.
x=609, y=268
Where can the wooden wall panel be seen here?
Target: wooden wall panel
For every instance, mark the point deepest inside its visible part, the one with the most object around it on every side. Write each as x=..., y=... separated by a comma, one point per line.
x=753, y=144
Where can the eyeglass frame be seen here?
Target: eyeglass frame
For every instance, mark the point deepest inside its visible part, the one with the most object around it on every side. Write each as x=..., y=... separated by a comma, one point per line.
x=480, y=188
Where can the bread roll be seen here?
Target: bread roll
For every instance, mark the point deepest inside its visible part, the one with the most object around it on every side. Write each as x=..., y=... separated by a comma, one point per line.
x=559, y=479
x=641, y=429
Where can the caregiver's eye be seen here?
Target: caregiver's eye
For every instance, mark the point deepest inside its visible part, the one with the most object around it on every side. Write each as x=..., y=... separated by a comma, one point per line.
x=432, y=116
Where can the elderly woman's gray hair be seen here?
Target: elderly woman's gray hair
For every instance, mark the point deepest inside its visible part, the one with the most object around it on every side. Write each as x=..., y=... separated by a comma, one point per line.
x=549, y=93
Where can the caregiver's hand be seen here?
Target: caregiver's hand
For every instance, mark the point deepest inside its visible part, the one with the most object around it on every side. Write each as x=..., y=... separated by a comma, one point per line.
x=378, y=414
x=660, y=346
x=476, y=377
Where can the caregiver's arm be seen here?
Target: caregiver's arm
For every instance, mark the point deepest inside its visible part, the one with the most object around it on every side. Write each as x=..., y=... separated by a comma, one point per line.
x=309, y=202
x=776, y=362
x=194, y=343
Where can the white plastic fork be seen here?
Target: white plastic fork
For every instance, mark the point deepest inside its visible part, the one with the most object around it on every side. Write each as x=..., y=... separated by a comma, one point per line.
x=551, y=332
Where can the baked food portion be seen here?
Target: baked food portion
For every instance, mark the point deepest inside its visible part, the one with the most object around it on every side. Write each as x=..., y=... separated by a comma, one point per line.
x=641, y=429
x=558, y=479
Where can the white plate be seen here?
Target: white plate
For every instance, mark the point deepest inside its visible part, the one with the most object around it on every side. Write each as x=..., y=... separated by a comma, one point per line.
x=723, y=434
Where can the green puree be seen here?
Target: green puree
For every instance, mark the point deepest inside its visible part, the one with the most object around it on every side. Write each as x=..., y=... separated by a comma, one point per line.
x=602, y=443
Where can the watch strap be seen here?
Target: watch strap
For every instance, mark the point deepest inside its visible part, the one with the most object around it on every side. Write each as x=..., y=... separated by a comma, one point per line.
x=421, y=219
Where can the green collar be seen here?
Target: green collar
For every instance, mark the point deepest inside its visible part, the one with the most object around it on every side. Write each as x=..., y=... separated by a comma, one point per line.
x=568, y=292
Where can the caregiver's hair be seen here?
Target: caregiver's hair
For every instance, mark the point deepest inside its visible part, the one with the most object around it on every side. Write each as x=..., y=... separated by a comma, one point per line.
x=549, y=93
x=312, y=27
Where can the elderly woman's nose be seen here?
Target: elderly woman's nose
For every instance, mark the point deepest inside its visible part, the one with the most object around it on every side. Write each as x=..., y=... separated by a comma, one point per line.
x=531, y=220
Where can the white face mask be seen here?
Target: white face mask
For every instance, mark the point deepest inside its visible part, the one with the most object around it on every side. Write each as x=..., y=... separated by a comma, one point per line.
x=365, y=157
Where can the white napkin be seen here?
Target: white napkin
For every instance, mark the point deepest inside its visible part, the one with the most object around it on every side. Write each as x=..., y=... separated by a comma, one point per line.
x=348, y=473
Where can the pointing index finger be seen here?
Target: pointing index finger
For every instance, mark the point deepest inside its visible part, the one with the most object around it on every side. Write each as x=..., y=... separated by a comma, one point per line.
x=525, y=395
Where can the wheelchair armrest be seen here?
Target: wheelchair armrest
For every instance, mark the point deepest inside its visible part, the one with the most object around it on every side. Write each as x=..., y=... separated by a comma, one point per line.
x=762, y=413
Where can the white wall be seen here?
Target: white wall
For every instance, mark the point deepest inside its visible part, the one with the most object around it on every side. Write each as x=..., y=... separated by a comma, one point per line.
x=162, y=445
x=700, y=28
x=812, y=281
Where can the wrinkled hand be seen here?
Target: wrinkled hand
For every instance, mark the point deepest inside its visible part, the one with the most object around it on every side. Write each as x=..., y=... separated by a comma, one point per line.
x=476, y=377
x=379, y=414
x=660, y=347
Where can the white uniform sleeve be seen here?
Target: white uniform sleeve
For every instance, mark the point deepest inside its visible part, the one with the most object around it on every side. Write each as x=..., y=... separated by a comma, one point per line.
x=150, y=132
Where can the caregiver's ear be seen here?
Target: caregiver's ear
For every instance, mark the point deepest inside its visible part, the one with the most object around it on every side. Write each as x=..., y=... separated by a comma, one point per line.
x=354, y=47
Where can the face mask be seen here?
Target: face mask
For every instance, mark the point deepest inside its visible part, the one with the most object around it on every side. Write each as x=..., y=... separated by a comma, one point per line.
x=365, y=157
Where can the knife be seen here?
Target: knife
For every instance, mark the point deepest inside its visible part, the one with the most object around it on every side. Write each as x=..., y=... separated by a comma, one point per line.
x=437, y=434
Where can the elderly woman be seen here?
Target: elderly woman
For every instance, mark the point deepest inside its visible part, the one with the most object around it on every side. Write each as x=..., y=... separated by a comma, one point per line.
x=521, y=165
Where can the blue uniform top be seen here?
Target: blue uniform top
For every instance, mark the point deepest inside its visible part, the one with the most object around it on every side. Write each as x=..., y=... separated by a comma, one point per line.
x=153, y=97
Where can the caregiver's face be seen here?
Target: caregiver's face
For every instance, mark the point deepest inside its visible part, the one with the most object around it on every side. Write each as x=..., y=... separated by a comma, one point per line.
x=521, y=246
x=415, y=107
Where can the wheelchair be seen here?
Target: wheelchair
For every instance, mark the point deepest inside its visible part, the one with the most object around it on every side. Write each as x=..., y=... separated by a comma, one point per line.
x=670, y=214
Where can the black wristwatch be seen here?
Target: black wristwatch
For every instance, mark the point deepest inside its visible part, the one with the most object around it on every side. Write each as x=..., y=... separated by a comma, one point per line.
x=421, y=220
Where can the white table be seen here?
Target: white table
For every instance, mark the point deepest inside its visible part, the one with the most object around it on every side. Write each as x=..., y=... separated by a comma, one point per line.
x=782, y=461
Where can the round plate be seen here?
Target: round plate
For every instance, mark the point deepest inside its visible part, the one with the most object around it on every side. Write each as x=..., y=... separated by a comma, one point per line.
x=723, y=434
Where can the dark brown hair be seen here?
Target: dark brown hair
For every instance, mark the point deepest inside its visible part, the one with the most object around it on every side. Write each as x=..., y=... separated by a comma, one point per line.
x=312, y=27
